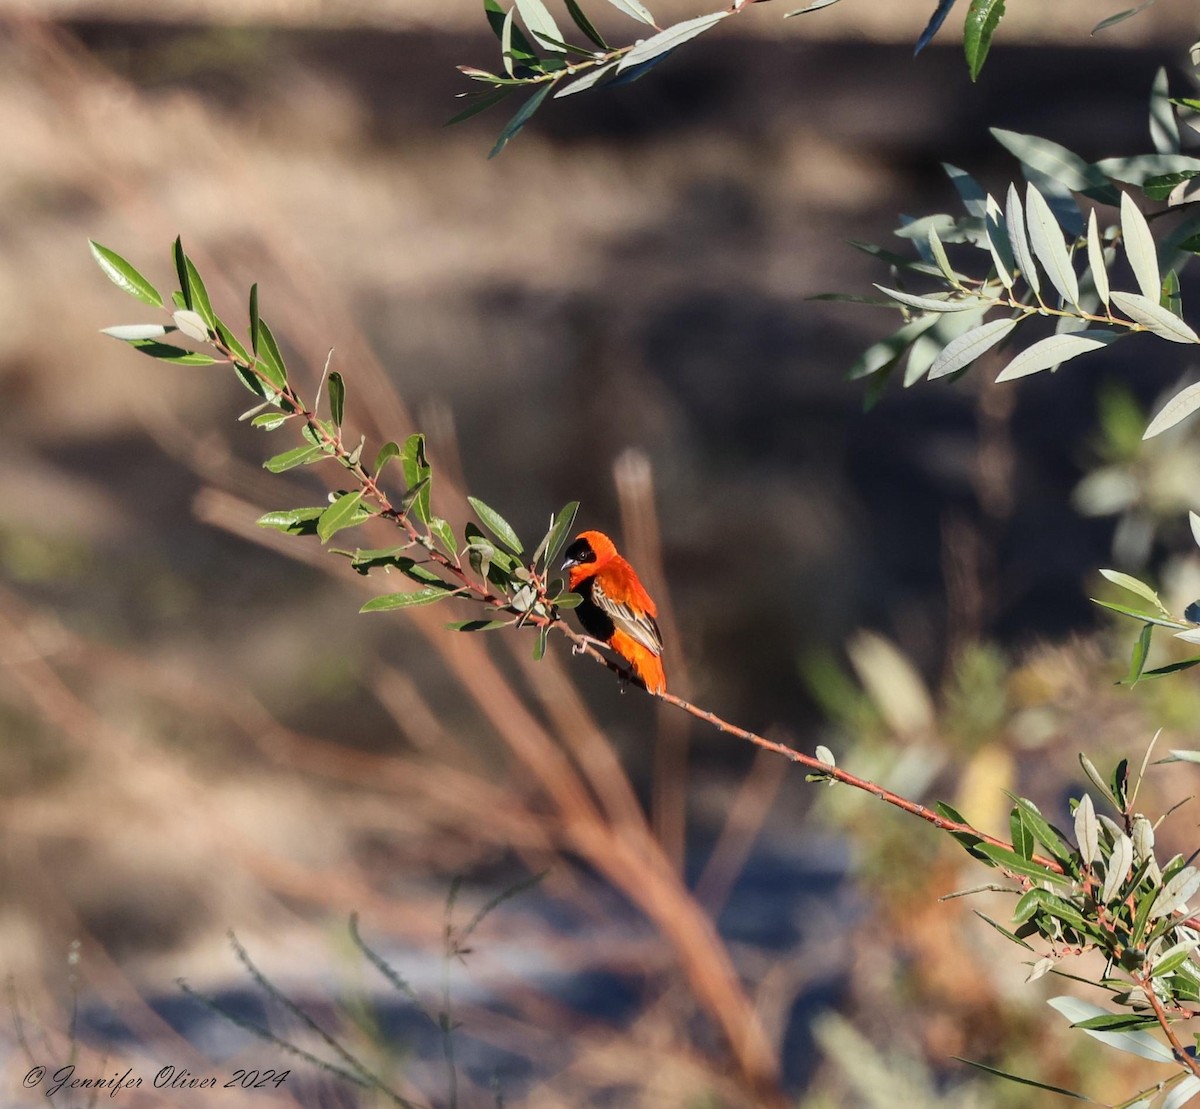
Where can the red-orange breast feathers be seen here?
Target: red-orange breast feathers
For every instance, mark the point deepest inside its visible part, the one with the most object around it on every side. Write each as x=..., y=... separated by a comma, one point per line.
x=616, y=608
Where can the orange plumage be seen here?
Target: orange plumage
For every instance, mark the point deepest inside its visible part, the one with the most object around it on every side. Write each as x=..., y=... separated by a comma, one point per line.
x=616, y=608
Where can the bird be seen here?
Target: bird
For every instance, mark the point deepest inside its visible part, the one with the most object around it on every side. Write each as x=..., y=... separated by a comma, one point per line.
x=616, y=609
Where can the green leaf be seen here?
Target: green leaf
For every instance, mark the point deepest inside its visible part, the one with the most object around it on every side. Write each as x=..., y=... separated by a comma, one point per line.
x=1012, y=936
x=1145, y=617
x=1171, y=668
x=1116, y=869
x=444, y=534
x=634, y=10
x=293, y=521
x=388, y=451
x=337, y=397
x=937, y=302
x=587, y=81
x=165, y=352
x=269, y=421
x=130, y=332
x=1087, y=830
x=1174, y=896
x=934, y=25
x=585, y=24
x=1133, y=585
x=411, y=497
x=182, y=272
x=1140, y=249
x=560, y=528
x=1141, y=649
x=523, y=116
x=667, y=40
x=417, y=470
x=1025, y=1081
x=983, y=17
x=200, y=302
x=1178, y=408
x=567, y=600
x=479, y=104
x=497, y=525
x=1164, y=129
x=1046, y=238
x=477, y=625
x=1022, y=835
x=1013, y=862
x=886, y=352
x=255, y=323
x=1120, y=17
x=1048, y=836
x=968, y=347
x=1115, y=1021
x=539, y=646
x=1057, y=163
x=390, y=601
x=1137, y=1043
x=270, y=361
x=1173, y=958
x=124, y=276
x=339, y=515
x=231, y=343
x=1054, y=350
x=815, y=6
x=1097, y=779
x=540, y=23
x=1014, y=222
x=298, y=456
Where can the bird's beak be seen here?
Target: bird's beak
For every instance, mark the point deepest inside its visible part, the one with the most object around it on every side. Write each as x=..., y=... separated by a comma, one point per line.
x=568, y=563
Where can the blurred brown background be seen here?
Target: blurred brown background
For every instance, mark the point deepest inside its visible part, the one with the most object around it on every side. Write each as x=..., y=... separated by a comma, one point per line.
x=200, y=733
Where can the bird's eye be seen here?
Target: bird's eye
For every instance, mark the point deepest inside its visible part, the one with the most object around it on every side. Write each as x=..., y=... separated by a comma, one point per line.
x=579, y=552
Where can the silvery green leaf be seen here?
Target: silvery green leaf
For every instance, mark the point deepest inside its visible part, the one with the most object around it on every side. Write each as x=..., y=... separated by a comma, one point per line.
x=672, y=37
x=1040, y=969
x=192, y=325
x=816, y=5
x=1181, y=1094
x=934, y=303
x=1056, y=162
x=1087, y=830
x=1136, y=1042
x=1164, y=129
x=1096, y=258
x=882, y=354
x=130, y=331
x=1117, y=868
x=1046, y=237
x=1139, y=168
x=999, y=243
x=1174, y=896
x=1179, y=407
x=1053, y=350
x=1194, y=519
x=633, y=9
x=966, y=348
x=587, y=81
x=1127, y=581
x=825, y=755
x=939, y=256
x=1014, y=216
x=928, y=346
x=1154, y=318
x=1143, y=839
x=540, y=23
x=973, y=197
x=1190, y=636
x=1140, y=249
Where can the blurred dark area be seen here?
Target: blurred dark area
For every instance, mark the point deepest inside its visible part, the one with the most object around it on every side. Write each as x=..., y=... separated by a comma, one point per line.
x=205, y=735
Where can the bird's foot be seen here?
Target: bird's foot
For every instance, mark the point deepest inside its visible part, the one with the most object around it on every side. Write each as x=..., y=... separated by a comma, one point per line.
x=584, y=642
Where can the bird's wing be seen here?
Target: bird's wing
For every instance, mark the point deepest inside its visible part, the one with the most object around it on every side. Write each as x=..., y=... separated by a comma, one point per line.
x=639, y=625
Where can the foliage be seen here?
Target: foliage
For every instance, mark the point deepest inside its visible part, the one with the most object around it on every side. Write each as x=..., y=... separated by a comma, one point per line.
x=542, y=60
x=1043, y=261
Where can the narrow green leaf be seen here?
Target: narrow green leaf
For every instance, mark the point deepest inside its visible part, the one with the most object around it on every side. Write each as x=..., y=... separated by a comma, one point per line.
x=939, y=256
x=999, y=242
x=337, y=397
x=200, y=302
x=983, y=17
x=1046, y=238
x=1047, y=835
x=479, y=104
x=165, y=352
x=886, y=352
x=1137, y=1043
x=338, y=515
x=940, y=302
x=390, y=601
x=1140, y=249
x=585, y=24
x=523, y=115
x=269, y=421
x=1011, y=936
x=634, y=10
x=1136, y=614
x=254, y=320
x=298, y=456
x=1112, y=1022
x=231, y=343
x=1171, y=668
x=444, y=534
x=129, y=332
x=1120, y=17
x=591, y=78
x=293, y=521
x=1164, y=129
x=1162, y=186
x=567, y=600
x=1137, y=662
x=270, y=361
x=1057, y=163
x=412, y=496
x=1173, y=958
x=1014, y=221
x=539, y=646
x=1174, y=896
x=1117, y=867
x=1013, y=862
x=478, y=625
x=560, y=528
x=968, y=347
x=815, y=6
x=497, y=525
x=191, y=324
x=1178, y=408
x=124, y=276
x=1096, y=258
x=540, y=23
x=1133, y=585
x=1097, y=779
x=181, y=271
x=1025, y=1081
x=1054, y=350
x=669, y=39
x=1022, y=835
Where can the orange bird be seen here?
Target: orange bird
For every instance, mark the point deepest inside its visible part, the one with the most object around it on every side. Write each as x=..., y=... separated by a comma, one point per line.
x=616, y=608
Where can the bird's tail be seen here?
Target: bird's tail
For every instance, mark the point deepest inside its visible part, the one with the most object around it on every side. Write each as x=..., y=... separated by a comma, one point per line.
x=646, y=664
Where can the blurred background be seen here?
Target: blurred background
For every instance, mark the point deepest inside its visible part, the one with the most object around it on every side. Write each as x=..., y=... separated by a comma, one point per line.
x=201, y=735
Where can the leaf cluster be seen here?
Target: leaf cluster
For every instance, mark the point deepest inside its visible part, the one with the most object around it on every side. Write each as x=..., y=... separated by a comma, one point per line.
x=1037, y=259
x=485, y=564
